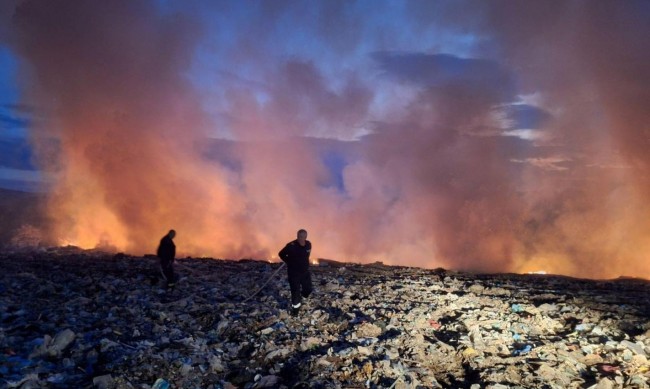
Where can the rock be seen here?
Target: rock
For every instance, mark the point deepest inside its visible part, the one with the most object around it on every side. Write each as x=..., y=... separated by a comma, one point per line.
x=215, y=364
x=639, y=361
x=552, y=375
x=476, y=337
x=605, y=383
x=28, y=382
x=598, y=331
x=592, y=359
x=638, y=348
x=103, y=382
x=627, y=355
x=323, y=362
x=368, y=330
x=370, y=326
x=185, y=369
x=54, y=347
x=364, y=350
x=309, y=343
x=497, y=292
x=548, y=308
x=279, y=353
x=637, y=381
x=221, y=327
x=392, y=354
x=61, y=342
x=346, y=352
x=268, y=381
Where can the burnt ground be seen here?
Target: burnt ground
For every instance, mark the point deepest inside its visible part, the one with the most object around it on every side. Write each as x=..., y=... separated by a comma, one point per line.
x=82, y=319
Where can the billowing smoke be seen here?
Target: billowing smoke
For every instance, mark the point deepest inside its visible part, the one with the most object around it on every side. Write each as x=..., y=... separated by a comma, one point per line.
x=492, y=136
x=125, y=120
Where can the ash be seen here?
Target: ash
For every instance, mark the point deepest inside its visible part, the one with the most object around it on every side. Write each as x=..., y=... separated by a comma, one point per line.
x=85, y=319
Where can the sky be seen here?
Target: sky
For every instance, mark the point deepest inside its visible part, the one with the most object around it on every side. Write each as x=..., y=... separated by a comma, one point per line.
x=474, y=135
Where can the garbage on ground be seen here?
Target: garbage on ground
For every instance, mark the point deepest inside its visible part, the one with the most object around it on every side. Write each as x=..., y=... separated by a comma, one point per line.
x=73, y=318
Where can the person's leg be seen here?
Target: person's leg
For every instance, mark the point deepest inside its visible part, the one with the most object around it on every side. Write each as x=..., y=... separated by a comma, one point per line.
x=167, y=270
x=171, y=276
x=306, y=285
x=163, y=273
x=294, y=285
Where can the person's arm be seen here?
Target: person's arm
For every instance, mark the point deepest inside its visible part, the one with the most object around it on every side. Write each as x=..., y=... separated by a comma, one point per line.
x=284, y=253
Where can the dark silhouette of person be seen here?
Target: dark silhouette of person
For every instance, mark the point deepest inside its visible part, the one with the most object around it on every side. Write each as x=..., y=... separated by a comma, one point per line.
x=296, y=255
x=166, y=252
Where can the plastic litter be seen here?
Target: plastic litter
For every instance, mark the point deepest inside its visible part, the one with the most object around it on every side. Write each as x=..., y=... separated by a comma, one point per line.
x=89, y=319
x=160, y=384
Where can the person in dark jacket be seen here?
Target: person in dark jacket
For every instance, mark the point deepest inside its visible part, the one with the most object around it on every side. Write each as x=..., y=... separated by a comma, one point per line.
x=166, y=252
x=296, y=255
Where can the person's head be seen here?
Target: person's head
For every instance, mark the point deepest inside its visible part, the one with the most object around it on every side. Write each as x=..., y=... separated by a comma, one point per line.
x=171, y=234
x=302, y=235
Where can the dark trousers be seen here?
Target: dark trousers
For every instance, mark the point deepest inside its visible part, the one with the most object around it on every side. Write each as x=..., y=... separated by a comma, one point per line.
x=300, y=285
x=167, y=270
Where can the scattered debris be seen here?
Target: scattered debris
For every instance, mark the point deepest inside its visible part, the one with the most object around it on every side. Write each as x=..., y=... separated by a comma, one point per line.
x=72, y=318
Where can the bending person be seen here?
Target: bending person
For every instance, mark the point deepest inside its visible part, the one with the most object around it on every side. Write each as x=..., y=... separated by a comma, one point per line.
x=166, y=252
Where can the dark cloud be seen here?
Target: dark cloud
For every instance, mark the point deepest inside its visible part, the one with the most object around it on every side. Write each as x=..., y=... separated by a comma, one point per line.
x=445, y=71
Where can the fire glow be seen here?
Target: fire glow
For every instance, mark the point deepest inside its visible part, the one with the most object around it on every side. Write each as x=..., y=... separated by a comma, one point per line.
x=437, y=178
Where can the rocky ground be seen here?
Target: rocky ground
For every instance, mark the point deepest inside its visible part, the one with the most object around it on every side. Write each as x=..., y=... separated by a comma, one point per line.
x=73, y=319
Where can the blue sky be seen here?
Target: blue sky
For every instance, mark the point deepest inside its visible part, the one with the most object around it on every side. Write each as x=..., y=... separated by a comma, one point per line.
x=8, y=65
x=16, y=168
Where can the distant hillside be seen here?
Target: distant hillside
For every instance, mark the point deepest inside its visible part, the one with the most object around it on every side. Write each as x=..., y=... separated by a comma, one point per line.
x=19, y=209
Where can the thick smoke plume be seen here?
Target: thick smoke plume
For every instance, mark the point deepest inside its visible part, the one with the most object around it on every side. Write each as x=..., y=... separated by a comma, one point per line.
x=126, y=120
x=527, y=152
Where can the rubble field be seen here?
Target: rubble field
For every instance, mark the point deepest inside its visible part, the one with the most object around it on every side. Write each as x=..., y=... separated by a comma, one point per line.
x=86, y=319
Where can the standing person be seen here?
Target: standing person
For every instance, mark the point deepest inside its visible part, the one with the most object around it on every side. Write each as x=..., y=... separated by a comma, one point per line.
x=296, y=255
x=166, y=252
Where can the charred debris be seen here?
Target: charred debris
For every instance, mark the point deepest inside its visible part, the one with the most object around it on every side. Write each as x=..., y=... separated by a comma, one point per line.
x=87, y=319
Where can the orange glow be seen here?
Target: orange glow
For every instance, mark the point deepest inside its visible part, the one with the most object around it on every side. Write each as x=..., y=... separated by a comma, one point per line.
x=446, y=177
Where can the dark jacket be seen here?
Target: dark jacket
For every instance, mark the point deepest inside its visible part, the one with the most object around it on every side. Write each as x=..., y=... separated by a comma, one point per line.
x=296, y=257
x=166, y=249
